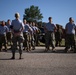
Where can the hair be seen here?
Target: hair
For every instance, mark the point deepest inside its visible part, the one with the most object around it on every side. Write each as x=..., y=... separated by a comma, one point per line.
x=3, y=23
x=24, y=20
x=71, y=19
x=8, y=20
x=17, y=15
x=50, y=18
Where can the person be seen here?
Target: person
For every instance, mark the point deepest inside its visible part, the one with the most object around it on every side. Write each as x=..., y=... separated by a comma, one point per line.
x=9, y=35
x=32, y=35
x=3, y=31
x=49, y=29
x=58, y=35
x=35, y=33
x=27, y=36
x=70, y=35
x=17, y=28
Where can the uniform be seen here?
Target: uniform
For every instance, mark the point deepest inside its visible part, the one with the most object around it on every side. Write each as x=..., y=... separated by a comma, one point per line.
x=70, y=36
x=35, y=29
x=9, y=35
x=27, y=37
x=3, y=40
x=32, y=38
x=17, y=27
x=58, y=36
x=49, y=35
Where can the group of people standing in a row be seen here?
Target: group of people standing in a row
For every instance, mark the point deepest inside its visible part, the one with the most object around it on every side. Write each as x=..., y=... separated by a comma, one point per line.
x=25, y=35
x=70, y=35
x=17, y=33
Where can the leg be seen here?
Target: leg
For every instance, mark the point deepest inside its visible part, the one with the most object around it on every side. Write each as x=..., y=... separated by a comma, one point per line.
x=25, y=41
x=52, y=40
x=14, y=46
x=1, y=41
x=29, y=42
x=0, y=46
x=5, y=43
x=67, y=43
x=20, y=42
x=47, y=41
x=73, y=43
x=33, y=42
x=20, y=50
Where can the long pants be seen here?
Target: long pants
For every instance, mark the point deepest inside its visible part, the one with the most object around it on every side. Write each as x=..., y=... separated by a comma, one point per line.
x=9, y=37
x=3, y=41
x=36, y=36
x=70, y=41
x=49, y=39
x=32, y=41
x=27, y=40
x=19, y=40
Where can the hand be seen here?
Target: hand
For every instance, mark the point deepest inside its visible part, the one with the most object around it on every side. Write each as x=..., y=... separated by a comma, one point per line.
x=17, y=34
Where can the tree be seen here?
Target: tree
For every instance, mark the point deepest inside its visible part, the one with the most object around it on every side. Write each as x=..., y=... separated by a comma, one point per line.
x=32, y=14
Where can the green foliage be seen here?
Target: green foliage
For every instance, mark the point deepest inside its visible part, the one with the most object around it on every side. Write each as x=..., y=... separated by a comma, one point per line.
x=32, y=14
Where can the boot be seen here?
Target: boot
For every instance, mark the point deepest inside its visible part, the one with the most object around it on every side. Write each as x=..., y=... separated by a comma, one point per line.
x=65, y=50
x=13, y=56
x=20, y=57
x=74, y=50
x=5, y=48
x=0, y=49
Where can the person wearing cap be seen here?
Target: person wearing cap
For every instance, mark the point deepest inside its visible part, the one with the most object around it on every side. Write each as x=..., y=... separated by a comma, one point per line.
x=70, y=35
x=49, y=29
x=17, y=27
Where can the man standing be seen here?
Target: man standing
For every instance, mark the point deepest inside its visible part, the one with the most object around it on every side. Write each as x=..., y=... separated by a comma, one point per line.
x=32, y=36
x=70, y=35
x=17, y=27
x=27, y=36
x=9, y=35
x=49, y=35
x=58, y=35
x=3, y=31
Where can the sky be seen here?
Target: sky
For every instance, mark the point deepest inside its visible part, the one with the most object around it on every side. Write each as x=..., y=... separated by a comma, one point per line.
x=59, y=10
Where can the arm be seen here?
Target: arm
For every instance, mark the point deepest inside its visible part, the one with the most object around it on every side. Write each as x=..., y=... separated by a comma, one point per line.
x=11, y=27
x=55, y=28
x=22, y=27
x=45, y=29
x=66, y=29
x=7, y=29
